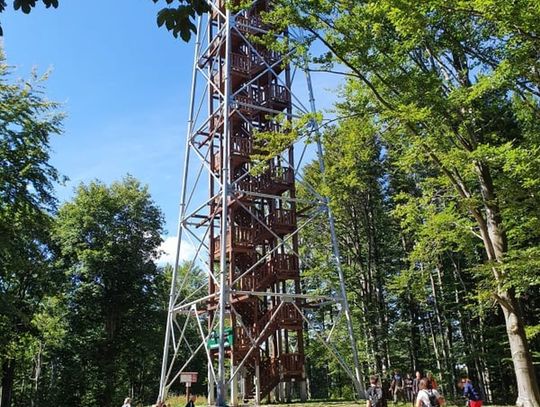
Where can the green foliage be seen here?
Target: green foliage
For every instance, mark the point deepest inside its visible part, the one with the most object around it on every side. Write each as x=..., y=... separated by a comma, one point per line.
x=28, y=283
x=179, y=20
x=449, y=90
x=269, y=144
x=108, y=238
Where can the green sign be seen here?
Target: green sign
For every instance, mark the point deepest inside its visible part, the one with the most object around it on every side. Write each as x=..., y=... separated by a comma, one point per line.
x=213, y=339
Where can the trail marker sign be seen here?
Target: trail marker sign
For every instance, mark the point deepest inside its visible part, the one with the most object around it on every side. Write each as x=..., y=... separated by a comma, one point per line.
x=188, y=378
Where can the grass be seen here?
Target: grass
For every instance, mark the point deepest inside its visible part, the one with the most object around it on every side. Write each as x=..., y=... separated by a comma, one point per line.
x=180, y=401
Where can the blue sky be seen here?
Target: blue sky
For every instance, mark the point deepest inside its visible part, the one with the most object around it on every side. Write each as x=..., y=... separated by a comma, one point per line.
x=124, y=84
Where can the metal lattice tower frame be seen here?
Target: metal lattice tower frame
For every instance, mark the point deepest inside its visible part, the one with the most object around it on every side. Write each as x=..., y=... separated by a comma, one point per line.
x=243, y=224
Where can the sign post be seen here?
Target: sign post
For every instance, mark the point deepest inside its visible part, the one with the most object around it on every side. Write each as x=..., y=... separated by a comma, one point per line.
x=188, y=378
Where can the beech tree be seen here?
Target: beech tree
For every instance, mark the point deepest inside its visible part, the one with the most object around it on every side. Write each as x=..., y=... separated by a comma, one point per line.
x=27, y=203
x=454, y=84
x=108, y=239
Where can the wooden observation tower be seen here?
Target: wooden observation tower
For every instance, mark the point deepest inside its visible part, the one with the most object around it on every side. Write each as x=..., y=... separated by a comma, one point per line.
x=240, y=225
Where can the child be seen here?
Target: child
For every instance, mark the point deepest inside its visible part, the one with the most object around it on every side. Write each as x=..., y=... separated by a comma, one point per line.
x=473, y=397
x=374, y=394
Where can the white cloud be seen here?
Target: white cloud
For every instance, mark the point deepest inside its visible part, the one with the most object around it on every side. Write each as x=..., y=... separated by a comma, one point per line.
x=187, y=251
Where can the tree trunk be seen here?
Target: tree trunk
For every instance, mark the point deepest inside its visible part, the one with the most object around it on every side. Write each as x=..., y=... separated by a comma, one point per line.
x=528, y=392
x=445, y=330
x=8, y=376
x=486, y=374
x=496, y=246
x=37, y=374
x=413, y=343
x=434, y=343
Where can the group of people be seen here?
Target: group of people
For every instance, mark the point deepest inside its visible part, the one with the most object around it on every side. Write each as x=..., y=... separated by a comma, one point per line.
x=420, y=391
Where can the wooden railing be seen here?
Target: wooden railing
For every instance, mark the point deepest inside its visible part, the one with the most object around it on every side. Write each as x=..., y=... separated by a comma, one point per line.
x=279, y=267
x=281, y=218
x=275, y=94
x=250, y=24
x=241, y=63
x=285, y=266
x=289, y=317
x=238, y=237
x=243, y=236
x=282, y=175
x=260, y=279
x=269, y=56
x=241, y=146
x=247, y=104
x=291, y=363
x=241, y=339
x=277, y=179
x=263, y=321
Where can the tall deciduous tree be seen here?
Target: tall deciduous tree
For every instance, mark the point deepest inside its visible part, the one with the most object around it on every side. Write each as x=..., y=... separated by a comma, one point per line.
x=27, y=202
x=450, y=83
x=109, y=238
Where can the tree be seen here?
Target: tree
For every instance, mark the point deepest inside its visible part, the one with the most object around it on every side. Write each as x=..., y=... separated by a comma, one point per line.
x=27, y=179
x=109, y=238
x=178, y=20
x=452, y=83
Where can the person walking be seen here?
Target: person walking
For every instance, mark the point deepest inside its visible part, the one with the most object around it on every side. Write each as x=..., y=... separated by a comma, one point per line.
x=375, y=394
x=408, y=382
x=396, y=386
x=428, y=397
x=415, y=386
x=469, y=392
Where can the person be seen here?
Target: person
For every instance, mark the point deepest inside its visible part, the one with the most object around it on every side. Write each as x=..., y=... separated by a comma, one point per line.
x=415, y=386
x=428, y=397
x=432, y=383
x=396, y=386
x=374, y=393
x=191, y=401
x=469, y=392
x=127, y=402
x=409, y=388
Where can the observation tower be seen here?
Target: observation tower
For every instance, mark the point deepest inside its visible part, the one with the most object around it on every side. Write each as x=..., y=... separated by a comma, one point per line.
x=241, y=220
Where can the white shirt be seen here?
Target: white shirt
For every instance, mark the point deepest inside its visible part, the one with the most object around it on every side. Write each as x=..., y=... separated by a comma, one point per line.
x=423, y=395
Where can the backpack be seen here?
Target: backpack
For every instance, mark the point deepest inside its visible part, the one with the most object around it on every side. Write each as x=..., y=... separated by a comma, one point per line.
x=433, y=402
x=375, y=396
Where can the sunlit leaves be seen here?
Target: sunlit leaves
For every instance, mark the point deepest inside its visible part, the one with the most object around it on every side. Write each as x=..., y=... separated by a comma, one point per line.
x=180, y=20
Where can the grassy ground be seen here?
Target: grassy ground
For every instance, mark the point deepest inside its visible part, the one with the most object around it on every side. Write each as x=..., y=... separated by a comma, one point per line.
x=180, y=401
